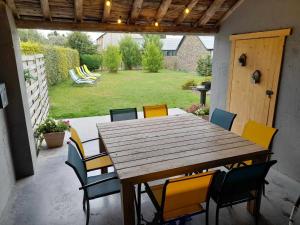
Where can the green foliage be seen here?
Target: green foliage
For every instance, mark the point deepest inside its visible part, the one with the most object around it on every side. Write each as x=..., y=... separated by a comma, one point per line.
x=112, y=58
x=28, y=76
x=202, y=111
x=58, y=60
x=204, y=66
x=55, y=38
x=93, y=62
x=28, y=35
x=187, y=85
x=51, y=126
x=81, y=42
x=152, y=58
x=130, y=51
x=152, y=38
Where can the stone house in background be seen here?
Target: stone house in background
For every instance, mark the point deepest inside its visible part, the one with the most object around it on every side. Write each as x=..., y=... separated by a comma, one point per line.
x=185, y=54
x=180, y=52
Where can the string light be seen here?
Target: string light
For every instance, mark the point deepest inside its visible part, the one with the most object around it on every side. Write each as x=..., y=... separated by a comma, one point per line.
x=119, y=20
x=108, y=3
x=186, y=10
x=156, y=24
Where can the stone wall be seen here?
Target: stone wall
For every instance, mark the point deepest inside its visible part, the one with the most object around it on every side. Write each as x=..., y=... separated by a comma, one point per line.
x=270, y=15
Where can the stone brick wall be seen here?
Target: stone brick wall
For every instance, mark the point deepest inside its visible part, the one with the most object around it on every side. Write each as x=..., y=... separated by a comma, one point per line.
x=189, y=51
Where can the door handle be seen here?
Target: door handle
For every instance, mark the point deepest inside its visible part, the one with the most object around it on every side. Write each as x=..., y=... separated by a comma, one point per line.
x=269, y=93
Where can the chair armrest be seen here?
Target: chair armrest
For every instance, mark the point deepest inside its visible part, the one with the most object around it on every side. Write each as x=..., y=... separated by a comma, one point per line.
x=97, y=182
x=94, y=139
x=95, y=156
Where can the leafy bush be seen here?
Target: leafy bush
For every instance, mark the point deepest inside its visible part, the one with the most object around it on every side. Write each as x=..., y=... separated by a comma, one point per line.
x=187, y=85
x=93, y=62
x=202, y=111
x=58, y=60
x=81, y=42
x=152, y=58
x=204, y=66
x=130, y=51
x=112, y=58
x=50, y=126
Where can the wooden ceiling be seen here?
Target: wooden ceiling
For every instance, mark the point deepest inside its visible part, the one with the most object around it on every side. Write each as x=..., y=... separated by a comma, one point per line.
x=204, y=16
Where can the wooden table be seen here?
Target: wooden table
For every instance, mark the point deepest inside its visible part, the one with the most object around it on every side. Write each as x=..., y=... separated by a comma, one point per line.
x=149, y=149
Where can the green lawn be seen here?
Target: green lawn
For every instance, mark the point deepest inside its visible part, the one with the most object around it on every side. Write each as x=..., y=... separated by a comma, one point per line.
x=121, y=90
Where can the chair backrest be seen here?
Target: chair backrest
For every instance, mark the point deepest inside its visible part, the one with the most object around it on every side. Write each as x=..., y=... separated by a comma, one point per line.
x=245, y=179
x=73, y=75
x=222, y=118
x=259, y=133
x=155, y=111
x=181, y=194
x=77, y=164
x=123, y=114
x=82, y=71
x=77, y=141
x=80, y=74
x=86, y=69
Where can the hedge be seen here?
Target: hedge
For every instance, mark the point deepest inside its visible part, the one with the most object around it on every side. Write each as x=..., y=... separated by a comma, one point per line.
x=93, y=62
x=58, y=60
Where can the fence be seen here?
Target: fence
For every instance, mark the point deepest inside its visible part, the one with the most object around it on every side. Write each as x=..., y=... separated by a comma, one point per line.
x=37, y=89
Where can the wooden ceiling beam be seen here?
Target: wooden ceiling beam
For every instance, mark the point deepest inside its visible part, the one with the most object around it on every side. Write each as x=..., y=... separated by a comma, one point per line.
x=46, y=9
x=78, y=4
x=12, y=5
x=162, y=10
x=106, y=11
x=210, y=12
x=136, y=9
x=35, y=24
x=230, y=11
x=183, y=15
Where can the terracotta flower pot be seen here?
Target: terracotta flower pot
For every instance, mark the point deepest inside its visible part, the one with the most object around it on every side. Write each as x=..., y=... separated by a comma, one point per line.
x=54, y=140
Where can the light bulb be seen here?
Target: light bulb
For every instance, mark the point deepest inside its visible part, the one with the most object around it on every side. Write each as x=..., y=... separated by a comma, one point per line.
x=108, y=3
x=187, y=11
x=156, y=24
x=119, y=21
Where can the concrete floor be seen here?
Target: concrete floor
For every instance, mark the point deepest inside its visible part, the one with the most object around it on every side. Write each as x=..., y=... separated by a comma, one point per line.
x=51, y=196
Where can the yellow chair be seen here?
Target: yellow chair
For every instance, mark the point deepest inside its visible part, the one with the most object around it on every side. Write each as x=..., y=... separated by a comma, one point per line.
x=259, y=134
x=86, y=69
x=181, y=197
x=80, y=74
x=155, y=111
x=99, y=161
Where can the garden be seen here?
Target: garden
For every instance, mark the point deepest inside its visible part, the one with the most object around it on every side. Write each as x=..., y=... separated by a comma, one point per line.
x=132, y=75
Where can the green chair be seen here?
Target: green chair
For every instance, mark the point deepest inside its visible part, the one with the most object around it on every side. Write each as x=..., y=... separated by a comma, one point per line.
x=94, y=186
x=123, y=114
x=222, y=118
x=240, y=185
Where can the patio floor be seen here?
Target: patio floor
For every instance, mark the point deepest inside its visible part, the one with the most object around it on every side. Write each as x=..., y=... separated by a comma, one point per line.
x=51, y=196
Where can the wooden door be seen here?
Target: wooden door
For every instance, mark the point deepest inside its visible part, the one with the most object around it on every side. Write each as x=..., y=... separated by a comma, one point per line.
x=249, y=100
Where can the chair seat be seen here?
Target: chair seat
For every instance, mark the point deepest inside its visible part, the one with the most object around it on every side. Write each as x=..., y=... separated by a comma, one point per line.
x=98, y=163
x=176, y=213
x=105, y=188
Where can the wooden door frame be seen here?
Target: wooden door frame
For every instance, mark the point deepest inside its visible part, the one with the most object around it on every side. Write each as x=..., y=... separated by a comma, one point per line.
x=282, y=33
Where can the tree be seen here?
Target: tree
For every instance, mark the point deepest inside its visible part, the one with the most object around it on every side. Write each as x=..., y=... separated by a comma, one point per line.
x=130, y=51
x=55, y=38
x=152, y=58
x=204, y=66
x=112, y=58
x=81, y=42
x=152, y=38
x=28, y=35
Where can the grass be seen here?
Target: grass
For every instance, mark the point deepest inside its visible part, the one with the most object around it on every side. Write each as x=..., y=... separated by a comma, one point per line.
x=121, y=90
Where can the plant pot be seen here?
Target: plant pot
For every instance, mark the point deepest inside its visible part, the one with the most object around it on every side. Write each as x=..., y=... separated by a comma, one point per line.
x=54, y=140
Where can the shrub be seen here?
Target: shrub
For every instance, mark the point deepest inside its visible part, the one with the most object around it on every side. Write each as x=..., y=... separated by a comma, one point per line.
x=204, y=66
x=112, y=58
x=58, y=60
x=93, y=62
x=187, y=85
x=81, y=42
x=152, y=58
x=131, y=55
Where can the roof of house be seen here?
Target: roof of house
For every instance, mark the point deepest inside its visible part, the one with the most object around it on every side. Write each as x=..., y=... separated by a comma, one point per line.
x=170, y=44
x=207, y=41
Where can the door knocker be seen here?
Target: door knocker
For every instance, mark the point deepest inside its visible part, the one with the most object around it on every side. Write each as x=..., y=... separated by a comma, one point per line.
x=255, y=77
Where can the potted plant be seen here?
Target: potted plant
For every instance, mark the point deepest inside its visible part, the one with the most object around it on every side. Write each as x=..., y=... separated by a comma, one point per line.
x=53, y=132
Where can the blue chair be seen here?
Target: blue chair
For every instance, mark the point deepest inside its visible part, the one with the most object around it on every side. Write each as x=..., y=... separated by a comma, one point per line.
x=222, y=118
x=240, y=185
x=123, y=114
x=94, y=186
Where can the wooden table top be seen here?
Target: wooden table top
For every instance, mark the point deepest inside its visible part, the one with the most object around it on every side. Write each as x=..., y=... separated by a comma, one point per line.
x=154, y=148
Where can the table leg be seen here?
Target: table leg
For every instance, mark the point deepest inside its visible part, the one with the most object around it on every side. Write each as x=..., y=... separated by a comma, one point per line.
x=254, y=206
x=127, y=198
x=102, y=149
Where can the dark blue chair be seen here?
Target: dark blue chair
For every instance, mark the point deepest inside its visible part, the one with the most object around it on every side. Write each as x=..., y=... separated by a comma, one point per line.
x=123, y=114
x=93, y=186
x=240, y=185
x=223, y=118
